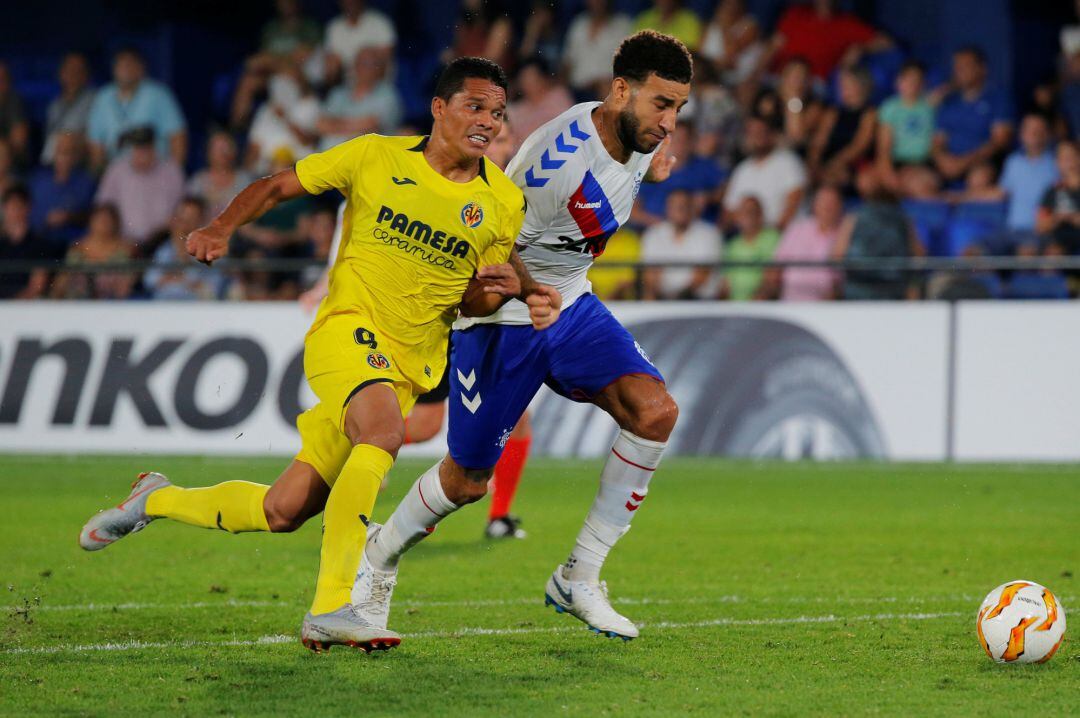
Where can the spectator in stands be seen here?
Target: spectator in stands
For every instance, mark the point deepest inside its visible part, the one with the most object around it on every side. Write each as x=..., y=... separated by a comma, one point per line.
x=980, y=185
x=1029, y=172
x=102, y=244
x=698, y=175
x=290, y=31
x=773, y=175
x=62, y=192
x=670, y=17
x=132, y=101
x=8, y=176
x=681, y=237
x=878, y=229
x=144, y=187
x=1070, y=94
x=542, y=98
x=483, y=29
x=1058, y=217
x=221, y=179
x=70, y=111
x=370, y=103
x=810, y=239
x=824, y=36
x=905, y=131
x=755, y=242
x=591, y=41
x=502, y=148
x=286, y=122
x=192, y=280
x=19, y=243
x=716, y=116
x=356, y=28
x=1038, y=283
x=274, y=233
x=14, y=126
x=541, y=37
x=797, y=108
x=732, y=43
x=845, y=137
x=974, y=121
x=317, y=238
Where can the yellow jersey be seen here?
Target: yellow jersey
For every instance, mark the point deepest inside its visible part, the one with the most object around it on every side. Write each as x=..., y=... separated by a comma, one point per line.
x=411, y=241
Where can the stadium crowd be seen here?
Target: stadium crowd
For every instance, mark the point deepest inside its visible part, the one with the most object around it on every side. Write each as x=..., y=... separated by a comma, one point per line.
x=819, y=138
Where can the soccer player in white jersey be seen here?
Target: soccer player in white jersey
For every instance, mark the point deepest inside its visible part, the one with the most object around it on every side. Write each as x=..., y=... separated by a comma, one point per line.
x=580, y=173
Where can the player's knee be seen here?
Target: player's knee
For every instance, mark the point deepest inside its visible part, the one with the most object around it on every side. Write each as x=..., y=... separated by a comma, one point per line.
x=279, y=518
x=656, y=420
x=469, y=488
x=389, y=439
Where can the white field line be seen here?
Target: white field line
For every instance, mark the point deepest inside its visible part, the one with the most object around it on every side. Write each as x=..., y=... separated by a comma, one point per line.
x=494, y=602
x=478, y=631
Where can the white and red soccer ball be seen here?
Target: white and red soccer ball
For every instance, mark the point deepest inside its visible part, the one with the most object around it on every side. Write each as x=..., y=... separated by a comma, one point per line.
x=1021, y=622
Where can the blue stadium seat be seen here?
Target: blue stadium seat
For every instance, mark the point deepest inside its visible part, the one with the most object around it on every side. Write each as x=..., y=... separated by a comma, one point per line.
x=972, y=223
x=930, y=218
x=1031, y=285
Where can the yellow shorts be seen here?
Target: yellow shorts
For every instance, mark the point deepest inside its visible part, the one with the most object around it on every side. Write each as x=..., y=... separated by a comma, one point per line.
x=340, y=358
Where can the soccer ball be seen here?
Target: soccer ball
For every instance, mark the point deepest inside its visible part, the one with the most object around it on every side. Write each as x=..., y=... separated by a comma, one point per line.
x=1021, y=622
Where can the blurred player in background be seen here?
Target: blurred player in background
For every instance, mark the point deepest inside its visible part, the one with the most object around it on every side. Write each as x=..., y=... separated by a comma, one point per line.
x=427, y=417
x=580, y=173
x=427, y=229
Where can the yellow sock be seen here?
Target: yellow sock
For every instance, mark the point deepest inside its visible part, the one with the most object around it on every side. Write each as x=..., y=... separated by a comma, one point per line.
x=344, y=532
x=232, y=506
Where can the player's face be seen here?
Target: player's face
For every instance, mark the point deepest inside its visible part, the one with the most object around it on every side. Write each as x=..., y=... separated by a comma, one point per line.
x=650, y=113
x=473, y=117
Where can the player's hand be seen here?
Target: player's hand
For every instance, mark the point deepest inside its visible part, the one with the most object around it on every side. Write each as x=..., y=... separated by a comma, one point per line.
x=499, y=279
x=544, y=305
x=207, y=244
x=662, y=162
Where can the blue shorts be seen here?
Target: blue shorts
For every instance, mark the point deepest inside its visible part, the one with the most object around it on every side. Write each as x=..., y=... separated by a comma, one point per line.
x=496, y=370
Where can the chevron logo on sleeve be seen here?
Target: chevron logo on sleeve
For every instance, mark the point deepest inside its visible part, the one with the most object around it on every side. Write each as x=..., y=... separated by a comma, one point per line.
x=550, y=160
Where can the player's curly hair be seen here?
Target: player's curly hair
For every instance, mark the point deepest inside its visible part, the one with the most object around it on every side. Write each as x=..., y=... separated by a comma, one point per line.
x=649, y=51
x=454, y=75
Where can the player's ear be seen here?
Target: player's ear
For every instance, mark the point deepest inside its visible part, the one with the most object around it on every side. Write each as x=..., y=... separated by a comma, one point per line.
x=620, y=90
x=438, y=106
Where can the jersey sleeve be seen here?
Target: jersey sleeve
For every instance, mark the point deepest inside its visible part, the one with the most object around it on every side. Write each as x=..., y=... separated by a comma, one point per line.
x=333, y=169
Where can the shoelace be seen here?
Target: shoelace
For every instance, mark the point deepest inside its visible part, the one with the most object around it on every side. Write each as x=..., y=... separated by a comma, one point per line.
x=381, y=586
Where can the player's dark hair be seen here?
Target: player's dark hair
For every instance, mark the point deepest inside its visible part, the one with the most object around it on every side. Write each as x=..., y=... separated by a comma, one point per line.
x=196, y=200
x=18, y=191
x=454, y=75
x=913, y=65
x=649, y=51
x=974, y=50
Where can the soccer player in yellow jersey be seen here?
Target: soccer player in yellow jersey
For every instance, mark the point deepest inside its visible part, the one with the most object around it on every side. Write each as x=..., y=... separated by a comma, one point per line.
x=428, y=229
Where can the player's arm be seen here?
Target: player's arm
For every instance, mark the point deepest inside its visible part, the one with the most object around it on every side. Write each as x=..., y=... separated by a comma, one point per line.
x=496, y=284
x=211, y=242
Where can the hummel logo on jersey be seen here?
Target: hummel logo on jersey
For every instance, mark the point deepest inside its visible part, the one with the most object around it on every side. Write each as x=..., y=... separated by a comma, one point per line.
x=587, y=205
x=403, y=180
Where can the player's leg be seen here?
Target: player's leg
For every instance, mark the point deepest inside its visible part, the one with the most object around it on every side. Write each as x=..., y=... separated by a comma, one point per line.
x=424, y=422
x=235, y=506
x=496, y=370
x=501, y=524
x=599, y=360
x=374, y=426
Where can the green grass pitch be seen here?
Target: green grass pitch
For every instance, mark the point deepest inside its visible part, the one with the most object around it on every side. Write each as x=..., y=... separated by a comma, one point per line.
x=763, y=589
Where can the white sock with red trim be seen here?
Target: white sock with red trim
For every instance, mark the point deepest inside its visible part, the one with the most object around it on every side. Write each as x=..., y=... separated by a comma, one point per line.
x=414, y=519
x=624, y=483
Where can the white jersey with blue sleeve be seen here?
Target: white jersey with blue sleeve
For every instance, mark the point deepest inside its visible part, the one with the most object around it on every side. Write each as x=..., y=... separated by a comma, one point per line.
x=577, y=196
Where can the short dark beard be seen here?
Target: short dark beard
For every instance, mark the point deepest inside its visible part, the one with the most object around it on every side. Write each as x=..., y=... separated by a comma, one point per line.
x=627, y=128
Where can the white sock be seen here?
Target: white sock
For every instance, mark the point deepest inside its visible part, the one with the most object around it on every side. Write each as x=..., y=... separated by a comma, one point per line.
x=624, y=483
x=414, y=518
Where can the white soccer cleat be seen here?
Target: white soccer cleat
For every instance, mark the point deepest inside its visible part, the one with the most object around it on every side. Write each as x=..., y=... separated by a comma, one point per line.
x=127, y=517
x=505, y=527
x=373, y=589
x=588, y=602
x=345, y=627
